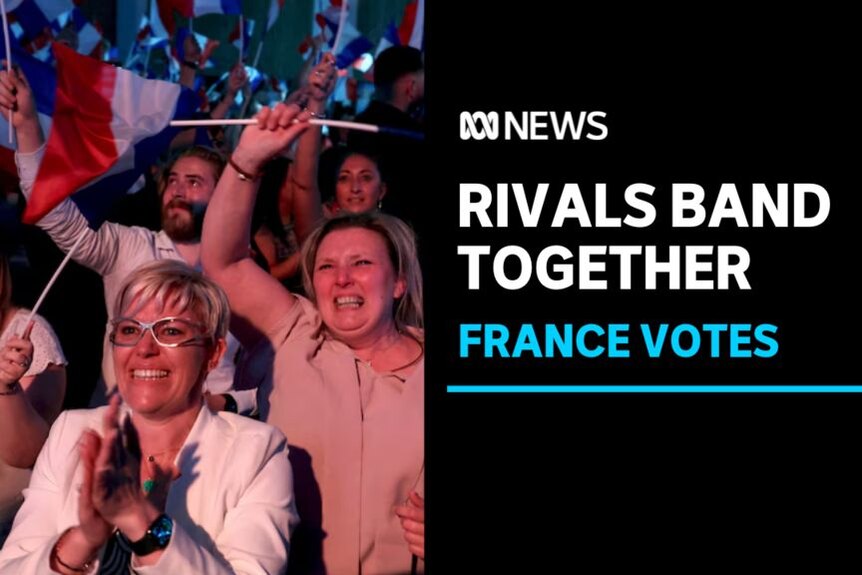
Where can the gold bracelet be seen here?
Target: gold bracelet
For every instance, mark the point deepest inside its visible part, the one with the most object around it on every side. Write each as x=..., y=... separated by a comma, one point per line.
x=243, y=175
x=55, y=555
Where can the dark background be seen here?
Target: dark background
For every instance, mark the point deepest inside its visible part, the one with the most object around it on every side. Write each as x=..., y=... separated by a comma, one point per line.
x=550, y=483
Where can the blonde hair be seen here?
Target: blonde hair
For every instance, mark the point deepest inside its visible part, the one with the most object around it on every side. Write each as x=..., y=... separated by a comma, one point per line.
x=171, y=282
x=401, y=245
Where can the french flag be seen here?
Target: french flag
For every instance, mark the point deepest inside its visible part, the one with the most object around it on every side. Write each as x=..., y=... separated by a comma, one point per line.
x=275, y=7
x=353, y=43
x=43, y=82
x=411, y=32
x=235, y=34
x=201, y=7
x=89, y=35
x=108, y=126
x=178, y=51
x=144, y=44
x=162, y=12
x=390, y=38
x=36, y=15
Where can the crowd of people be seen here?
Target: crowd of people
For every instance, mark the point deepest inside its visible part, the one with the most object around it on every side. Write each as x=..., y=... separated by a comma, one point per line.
x=261, y=405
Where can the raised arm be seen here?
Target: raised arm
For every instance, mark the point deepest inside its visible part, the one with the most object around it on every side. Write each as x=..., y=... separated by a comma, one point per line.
x=191, y=61
x=65, y=223
x=16, y=99
x=302, y=175
x=235, y=81
x=257, y=300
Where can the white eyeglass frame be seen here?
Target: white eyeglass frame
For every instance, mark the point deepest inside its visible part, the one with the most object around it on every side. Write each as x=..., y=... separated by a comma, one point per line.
x=148, y=327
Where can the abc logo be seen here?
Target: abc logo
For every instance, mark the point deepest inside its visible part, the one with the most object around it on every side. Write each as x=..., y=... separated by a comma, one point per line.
x=479, y=125
x=534, y=125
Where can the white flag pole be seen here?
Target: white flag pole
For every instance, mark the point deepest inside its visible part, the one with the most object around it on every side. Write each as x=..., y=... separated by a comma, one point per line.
x=55, y=276
x=8, y=58
x=147, y=61
x=257, y=54
x=314, y=121
x=252, y=121
x=241, y=38
x=342, y=19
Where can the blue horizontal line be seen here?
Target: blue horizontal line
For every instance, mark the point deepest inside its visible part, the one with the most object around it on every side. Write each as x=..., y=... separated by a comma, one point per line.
x=654, y=388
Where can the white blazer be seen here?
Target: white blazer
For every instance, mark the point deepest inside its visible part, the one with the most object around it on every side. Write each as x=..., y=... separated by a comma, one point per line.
x=232, y=506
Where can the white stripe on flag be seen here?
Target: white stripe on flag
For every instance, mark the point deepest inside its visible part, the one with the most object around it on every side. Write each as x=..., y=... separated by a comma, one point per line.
x=207, y=7
x=142, y=108
x=418, y=26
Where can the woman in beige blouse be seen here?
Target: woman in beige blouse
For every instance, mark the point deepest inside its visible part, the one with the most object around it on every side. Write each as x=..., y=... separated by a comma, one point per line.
x=340, y=373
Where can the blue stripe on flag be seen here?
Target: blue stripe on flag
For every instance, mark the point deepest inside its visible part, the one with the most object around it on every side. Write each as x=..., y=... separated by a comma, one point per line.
x=40, y=75
x=231, y=6
x=31, y=18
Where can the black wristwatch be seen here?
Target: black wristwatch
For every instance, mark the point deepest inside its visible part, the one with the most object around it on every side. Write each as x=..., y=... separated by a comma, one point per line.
x=157, y=537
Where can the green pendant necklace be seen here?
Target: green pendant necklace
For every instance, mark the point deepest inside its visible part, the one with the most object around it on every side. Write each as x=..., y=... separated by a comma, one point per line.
x=150, y=481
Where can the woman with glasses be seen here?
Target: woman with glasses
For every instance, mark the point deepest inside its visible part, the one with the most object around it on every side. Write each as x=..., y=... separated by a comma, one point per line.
x=155, y=481
x=32, y=387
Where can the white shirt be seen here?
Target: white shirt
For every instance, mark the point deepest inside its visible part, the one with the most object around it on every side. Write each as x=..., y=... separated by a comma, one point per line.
x=232, y=506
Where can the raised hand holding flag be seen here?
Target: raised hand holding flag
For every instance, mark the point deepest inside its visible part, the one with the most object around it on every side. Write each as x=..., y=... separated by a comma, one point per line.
x=108, y=126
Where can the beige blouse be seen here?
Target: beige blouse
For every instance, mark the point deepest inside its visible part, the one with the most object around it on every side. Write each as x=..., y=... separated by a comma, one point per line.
x=356, y=442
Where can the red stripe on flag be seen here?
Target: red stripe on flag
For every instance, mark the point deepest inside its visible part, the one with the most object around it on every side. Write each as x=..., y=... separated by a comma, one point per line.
x=166, y=10
x=405, y=30
x=81, y=146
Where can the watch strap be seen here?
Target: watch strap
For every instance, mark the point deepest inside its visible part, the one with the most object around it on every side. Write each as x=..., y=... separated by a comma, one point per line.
x=157, y=537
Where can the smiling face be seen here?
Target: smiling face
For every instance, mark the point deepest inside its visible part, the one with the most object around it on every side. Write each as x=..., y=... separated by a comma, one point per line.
x=160, y=382
x=355, y=286
x=188, y=189
x=358, y=186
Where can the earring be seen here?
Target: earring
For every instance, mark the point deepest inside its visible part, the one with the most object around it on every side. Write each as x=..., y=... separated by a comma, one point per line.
x=379, y=204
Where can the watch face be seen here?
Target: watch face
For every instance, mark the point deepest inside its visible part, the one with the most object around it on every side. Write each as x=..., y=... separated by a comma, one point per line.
x=161, y=530
x=157, y=536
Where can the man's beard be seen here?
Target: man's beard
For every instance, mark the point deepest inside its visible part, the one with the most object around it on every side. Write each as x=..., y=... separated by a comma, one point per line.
x=183, y=226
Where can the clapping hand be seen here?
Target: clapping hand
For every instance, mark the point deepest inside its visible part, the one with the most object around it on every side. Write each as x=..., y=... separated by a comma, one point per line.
x=116, y=493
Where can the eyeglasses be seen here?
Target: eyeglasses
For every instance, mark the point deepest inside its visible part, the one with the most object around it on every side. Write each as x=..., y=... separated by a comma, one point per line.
x=168, y=332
